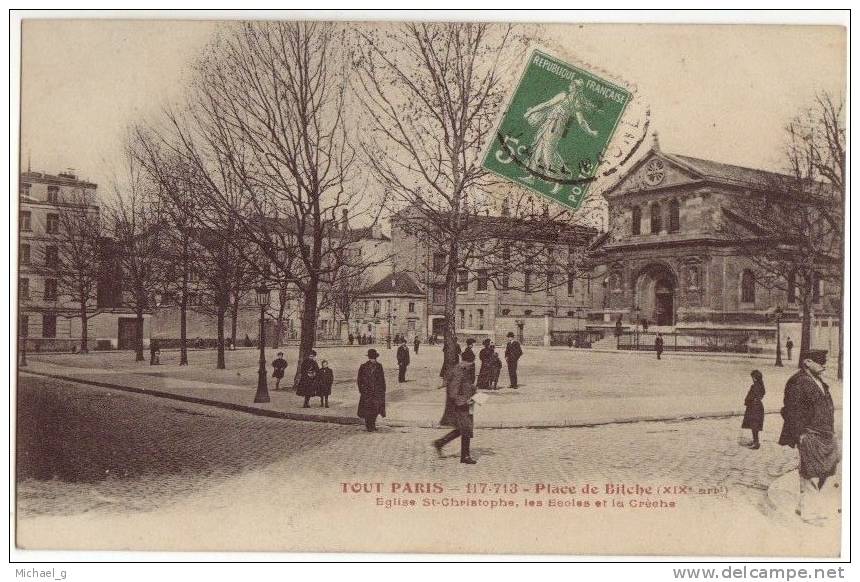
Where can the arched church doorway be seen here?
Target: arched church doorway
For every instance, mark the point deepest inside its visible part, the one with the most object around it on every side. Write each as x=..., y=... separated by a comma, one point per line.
x=655, y=294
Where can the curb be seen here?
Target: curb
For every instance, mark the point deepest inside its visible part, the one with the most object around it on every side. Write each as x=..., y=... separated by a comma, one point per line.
x=205, y=401
x=350, y=420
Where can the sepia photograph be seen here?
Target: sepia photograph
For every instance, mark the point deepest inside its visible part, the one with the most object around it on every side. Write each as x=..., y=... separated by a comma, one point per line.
x=451, y=284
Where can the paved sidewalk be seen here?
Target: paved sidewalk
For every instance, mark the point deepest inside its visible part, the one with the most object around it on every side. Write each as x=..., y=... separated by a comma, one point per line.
x=822, y=507
x=579, y=389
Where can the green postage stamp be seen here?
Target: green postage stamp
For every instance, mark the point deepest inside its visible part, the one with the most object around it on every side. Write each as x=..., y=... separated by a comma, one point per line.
x=556, y=129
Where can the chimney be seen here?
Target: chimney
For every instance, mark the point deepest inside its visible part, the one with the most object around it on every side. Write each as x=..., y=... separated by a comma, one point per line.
x=345, y=220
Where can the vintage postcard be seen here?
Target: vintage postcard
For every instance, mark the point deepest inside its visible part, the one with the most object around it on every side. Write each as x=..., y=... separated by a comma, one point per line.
x=430, y=287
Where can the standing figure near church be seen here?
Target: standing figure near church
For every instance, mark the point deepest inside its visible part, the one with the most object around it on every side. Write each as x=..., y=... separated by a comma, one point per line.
x=754, y=415
x=658, y=345
x=789, y=345
x=371, y=387
x=485, y=374
x=417, y=344
x=307, y=384
x=513, y=353
x=402, y=360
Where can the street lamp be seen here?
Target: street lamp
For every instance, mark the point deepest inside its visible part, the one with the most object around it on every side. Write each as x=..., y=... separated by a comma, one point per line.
x=778, y=313
x=262, y=299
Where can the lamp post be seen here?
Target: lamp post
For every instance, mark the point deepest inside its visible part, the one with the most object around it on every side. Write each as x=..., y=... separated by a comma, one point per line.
x=778, y=313
x=637, y=317
x=262, y=299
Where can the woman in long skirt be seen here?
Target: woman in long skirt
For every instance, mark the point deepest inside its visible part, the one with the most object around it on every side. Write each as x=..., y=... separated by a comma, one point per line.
x=754, y=415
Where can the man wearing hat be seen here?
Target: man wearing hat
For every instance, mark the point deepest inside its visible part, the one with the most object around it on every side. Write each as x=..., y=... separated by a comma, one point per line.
x=371, y=386
x=458, y=397
x=808, y=424
x=307, y=385
x=469, y=343
x=402, y=360
x=513, y=352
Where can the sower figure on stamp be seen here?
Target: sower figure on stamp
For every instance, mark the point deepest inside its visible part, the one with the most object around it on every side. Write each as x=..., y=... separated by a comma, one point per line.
x=754, y=415
x=371, y=386
x=513, y=352
x=552, y=119
x=808, y=424
x=308, y=379
x=458, y=399
x=402, y=360
x=279, y=364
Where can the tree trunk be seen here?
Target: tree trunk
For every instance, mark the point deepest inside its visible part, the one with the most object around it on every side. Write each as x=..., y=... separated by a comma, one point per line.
x=805, y=325
x=183, y=309
x=234, y=320
x=84, y=324
x=451, y=306
x=308, y=332
x=279, y=327
x=841, y=323
x=222, y=311
x=138, y=332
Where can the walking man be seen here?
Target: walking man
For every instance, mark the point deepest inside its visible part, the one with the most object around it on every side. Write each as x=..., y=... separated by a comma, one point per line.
x=402, y=360
x=458, y=399
x=808, y=425
x=513, y=352
x=371, y=386
x=417, y=343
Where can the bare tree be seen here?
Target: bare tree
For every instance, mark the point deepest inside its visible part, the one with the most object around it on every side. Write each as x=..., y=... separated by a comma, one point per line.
x=791, y=225
x=268, y=105
x=432, y=93
x=76, y=256
x=136, y=225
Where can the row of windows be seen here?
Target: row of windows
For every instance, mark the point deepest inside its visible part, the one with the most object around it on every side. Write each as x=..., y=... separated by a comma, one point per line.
x=49, y=292
x=656, y=215
x=52, y=256
x=440, y=259
x=25, y=222
x=49, y=325
x=376, y=306
x=53, y=192
x=505, y=283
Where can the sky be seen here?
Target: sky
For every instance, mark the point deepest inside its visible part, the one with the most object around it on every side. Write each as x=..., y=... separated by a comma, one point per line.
x=716, y=92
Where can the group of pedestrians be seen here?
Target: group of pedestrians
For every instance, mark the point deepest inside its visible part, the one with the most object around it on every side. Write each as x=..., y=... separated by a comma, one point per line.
x=314, y=379
x=808, y=422
x=361, y=339
x=491, y=364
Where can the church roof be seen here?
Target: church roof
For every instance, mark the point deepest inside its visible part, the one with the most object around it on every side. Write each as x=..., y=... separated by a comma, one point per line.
x=729, y=172
x=395, y=284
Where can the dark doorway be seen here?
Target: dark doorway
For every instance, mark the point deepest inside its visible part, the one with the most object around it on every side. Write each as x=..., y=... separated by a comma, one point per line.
x=127, y=335
x=438, y=327
x=664, y=303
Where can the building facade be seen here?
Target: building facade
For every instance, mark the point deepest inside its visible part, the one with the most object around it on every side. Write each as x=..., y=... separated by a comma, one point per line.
x=49, y=318
x=670, y=257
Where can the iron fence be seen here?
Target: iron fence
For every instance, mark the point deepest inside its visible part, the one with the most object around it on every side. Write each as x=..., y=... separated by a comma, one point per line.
x=717, y=341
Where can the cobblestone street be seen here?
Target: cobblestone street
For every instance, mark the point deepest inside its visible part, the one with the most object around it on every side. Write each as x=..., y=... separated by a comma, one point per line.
x=132, y=469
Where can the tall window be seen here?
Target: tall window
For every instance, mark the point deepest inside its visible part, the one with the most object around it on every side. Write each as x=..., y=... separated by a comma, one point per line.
x=506, y=281
x=674, y=215
x=411, y=307
x=52, y=257
x=462, y=319
x=49, y=325
x=636, y=227
x=53, y=194
x=816, y=288
x=24, y=288
x=656, y=219
x=53, y=223
x=571, y=278
x=26, y=217
x=24, y=256
x=527, y=281
x=747, y=287
x=24, y=326
x=792, y=288
x=482, y=279
x=550, y=282
x=439, y=262
x=50, y=289
x=462, y=280
x=480, y=319
x=439, y=295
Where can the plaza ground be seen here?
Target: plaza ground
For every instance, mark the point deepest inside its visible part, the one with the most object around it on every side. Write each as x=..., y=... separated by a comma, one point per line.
x=104, y=468
x=558, y=386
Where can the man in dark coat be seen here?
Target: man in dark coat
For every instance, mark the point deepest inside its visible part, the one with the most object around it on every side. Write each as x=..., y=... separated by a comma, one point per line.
x=457, y=351
x=458, y=398
x=402, y=360
x=417, y=343
x=307, y=385
x=351, y=339
x=513, y=353
x=371, y=386
x=658, y=345
x=808, y=416
x=789, y=345
x=469, y=343
x=485, y=374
